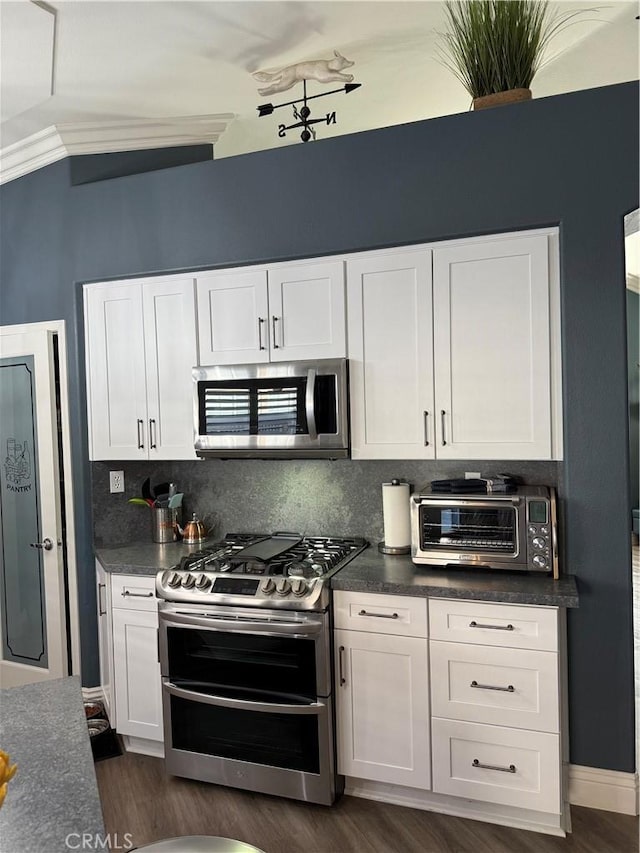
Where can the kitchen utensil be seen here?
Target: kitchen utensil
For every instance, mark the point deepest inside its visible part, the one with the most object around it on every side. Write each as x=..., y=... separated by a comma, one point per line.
x=165, y=524
x=194, y=531
x=146, y=490
x=160, y=489
x=138, y=501
x=175, y=500
x=162, y=500
x=172, y=489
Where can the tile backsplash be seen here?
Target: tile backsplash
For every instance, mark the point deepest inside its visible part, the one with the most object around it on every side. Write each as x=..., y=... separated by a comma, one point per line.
x=321, y=497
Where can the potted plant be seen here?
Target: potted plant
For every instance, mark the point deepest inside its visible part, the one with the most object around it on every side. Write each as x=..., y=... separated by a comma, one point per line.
x=496, y=47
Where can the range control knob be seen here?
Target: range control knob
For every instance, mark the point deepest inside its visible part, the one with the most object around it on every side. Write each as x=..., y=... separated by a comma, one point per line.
x=189, y=581
x=267, y=586
x=539, y=561
x=283, y=587
x=539, y=543
x=202, y=582
x=298, y=586
x=174, y=580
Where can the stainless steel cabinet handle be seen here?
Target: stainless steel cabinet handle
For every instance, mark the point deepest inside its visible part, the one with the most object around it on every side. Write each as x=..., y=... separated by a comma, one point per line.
x=309, y=404
x=442, y=414
x=126, y=592
x=510, y=769
x=260, y=344
x=152, y=434
x=509, y=689
x=426, y=428
x=475, y=624
x=274, y=320
x=378, y=615
x=101, y=612
x=343, y=680
x=140, y=424
x=45, y=545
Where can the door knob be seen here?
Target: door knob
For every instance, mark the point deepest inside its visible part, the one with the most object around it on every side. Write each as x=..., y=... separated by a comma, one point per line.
x=47, y=544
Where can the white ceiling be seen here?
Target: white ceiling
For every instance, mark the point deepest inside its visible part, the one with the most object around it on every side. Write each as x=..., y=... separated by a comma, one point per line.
x=88, y=61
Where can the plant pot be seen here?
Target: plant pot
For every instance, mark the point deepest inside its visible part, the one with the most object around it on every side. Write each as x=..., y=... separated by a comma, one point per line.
x=497, y=99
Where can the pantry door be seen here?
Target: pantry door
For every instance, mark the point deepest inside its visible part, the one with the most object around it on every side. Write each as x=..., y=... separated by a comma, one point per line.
x=33, y=645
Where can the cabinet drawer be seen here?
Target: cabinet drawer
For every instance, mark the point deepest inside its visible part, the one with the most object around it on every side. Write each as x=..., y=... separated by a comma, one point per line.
x=513, y=625
x=504, y=687
x=497, y=765
x=134, y=592
x=401, y=615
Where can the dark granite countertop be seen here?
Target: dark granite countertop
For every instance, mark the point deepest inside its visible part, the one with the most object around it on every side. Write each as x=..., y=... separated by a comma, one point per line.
x=372, y=571
x=53, y=798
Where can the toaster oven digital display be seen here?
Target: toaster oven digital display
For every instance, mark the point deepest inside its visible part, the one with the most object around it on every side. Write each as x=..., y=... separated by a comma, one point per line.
x=538, y=512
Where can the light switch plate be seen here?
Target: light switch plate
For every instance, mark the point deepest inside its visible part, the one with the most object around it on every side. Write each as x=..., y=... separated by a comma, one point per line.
x=116, y=482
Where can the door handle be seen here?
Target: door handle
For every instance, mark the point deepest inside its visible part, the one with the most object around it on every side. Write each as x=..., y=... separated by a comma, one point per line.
x=152, y=436
x=140, y=425
x=45, y=545
x=101, y=612
x=274, y=320
x=342, y=679
x=309, y=404
x=260, y=344
x=442, y=414
x=426, y=428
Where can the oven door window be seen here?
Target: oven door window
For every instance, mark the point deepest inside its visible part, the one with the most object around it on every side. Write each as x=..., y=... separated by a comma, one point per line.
x=473, y=529
x=246, y=666
x=276, y=740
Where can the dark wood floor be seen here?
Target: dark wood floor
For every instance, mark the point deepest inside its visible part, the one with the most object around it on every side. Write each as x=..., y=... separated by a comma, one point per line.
x=139, y=798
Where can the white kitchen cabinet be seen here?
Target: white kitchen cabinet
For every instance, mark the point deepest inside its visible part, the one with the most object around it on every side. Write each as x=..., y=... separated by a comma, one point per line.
x=105, y=640
x=497, y=699
x=382, y=693
x=137, y=682
x=454, y=350
x=140, y=349
x=255, y=315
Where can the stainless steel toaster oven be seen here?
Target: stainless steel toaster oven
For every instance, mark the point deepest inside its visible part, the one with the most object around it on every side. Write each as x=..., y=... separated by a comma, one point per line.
x=515, y=531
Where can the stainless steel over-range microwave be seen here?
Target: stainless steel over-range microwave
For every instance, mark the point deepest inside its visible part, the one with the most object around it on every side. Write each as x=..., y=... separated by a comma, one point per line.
x=287, y=410
x=516, y=530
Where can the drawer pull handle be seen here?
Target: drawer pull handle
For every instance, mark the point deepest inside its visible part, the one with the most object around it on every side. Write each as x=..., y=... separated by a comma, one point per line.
x=475, y=624
x=343, y=680
x=378, y=615
x=510, y=769
x=509, y=689
x=137, y=594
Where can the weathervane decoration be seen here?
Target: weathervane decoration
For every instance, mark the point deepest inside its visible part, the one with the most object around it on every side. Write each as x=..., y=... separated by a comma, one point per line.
x=322, y=70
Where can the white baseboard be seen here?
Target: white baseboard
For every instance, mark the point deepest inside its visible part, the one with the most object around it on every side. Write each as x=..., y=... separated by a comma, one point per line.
x=90, y=694
x=610, y=790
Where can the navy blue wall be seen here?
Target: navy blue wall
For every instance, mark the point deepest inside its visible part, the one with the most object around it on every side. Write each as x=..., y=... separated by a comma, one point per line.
x=570, y=160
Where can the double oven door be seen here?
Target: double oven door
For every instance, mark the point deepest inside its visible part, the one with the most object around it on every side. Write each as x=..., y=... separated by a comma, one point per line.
x=247, y=699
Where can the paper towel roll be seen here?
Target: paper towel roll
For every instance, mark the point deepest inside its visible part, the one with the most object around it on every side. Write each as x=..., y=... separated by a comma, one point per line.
x=395, y=513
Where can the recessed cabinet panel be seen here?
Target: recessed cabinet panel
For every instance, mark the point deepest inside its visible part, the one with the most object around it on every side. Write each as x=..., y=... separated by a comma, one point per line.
x=492, y=357
x=233, y=318
x=391, y=356
x=307, y=312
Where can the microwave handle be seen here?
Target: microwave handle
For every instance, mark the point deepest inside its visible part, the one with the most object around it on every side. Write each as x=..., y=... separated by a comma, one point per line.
x=309, y=404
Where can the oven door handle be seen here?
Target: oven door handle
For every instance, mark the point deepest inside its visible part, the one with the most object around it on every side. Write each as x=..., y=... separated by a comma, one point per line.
x=225, y=623
x=242, y=704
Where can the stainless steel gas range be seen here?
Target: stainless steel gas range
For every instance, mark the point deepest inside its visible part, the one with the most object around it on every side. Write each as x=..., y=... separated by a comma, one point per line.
x=245, y=653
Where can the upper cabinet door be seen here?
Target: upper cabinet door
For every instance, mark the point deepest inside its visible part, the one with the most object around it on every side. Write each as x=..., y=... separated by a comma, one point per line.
x=492, y=350
x=169, y=309
x=117, y=407
x=391, y=356
x=233, y=317
x=307, y=312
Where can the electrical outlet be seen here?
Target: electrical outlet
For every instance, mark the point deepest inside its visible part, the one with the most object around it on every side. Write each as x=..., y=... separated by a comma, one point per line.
x=472, y=475
x=116, y=481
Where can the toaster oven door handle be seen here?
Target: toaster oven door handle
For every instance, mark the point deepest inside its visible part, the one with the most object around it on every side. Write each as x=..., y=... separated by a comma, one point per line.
x=242, y=704
x=309, y=404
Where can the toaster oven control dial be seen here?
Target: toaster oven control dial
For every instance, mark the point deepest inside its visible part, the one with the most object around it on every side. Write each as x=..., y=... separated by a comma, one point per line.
x=267, y=586
x=539, y=561
x=298, y=586
x=283, y=587
x=533, y=529
x=539, y=543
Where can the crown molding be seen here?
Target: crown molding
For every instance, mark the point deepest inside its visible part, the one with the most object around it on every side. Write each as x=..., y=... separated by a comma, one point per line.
x=69, y=139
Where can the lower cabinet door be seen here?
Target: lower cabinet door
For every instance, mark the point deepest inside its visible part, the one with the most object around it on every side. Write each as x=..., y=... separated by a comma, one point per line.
x=497, y=765
x=383, y=708
x=137, y=673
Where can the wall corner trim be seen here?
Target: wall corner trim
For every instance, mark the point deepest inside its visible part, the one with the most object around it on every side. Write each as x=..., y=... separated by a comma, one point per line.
x=107, y=137
x=610, y=790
